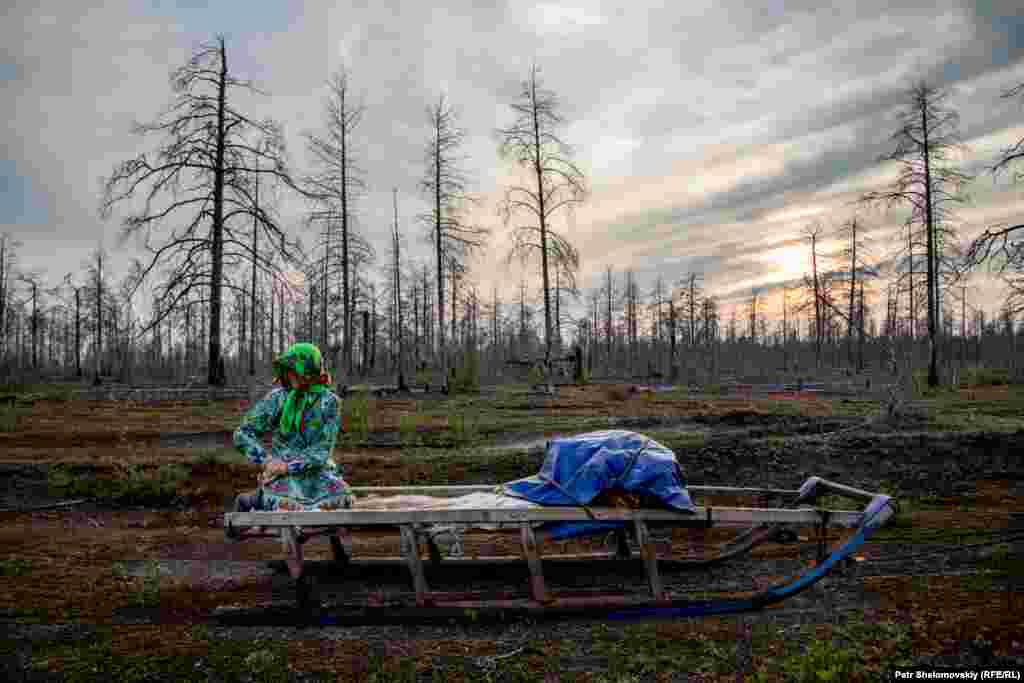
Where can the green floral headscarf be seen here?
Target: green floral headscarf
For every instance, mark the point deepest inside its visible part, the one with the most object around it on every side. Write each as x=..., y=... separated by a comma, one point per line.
x=305, y=361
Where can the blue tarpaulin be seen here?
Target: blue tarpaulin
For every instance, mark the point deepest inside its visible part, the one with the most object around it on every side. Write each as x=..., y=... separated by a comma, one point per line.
x=577, y=469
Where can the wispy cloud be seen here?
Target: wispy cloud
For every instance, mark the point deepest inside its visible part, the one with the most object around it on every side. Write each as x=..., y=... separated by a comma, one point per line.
x=711, y=132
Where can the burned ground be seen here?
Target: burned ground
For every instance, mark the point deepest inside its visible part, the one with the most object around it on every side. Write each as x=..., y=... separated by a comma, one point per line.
x=137, y=573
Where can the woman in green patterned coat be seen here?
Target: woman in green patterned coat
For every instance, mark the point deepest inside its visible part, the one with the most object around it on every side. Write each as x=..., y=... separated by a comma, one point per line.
x=304, y=416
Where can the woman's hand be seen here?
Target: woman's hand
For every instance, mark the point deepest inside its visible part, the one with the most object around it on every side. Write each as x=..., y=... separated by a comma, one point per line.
x=274, y=469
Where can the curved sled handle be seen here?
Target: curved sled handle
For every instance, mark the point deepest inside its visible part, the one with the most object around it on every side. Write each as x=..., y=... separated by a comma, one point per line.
x=815, y=486
x=877, y=513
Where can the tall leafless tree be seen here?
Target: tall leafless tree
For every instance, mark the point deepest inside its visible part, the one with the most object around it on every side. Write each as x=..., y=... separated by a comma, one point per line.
x=201, y=179
x=336, y=186
x=8, y=255
x=445, y=184
x=1001, y=245
x=812, y=233
x=927, y=182
x=855, y=253
x=692, y=295
x=610, y=299
x=533, y=143
x=32, y=280
x=754, y=312
x=100, y=290
x=396, y=242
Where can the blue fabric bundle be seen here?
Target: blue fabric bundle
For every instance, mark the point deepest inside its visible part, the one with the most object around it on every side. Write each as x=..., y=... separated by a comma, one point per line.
x=577, y=469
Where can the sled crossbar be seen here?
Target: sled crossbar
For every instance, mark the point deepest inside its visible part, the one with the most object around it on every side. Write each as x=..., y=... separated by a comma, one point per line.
x=462, y=489
x=718, y=516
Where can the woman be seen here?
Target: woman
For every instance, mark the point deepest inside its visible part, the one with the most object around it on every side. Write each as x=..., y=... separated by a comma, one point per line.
x=300, y=474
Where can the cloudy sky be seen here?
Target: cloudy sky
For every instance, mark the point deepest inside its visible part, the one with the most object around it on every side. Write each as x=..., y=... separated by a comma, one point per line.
x=711, y=133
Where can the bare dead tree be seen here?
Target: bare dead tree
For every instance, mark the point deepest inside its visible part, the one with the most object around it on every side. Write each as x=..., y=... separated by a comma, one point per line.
x=445, y=184
x=610, y=298
x=754, y=312
x=533, y=143
x=8, y=259
x=856, y=254
x=33, y=282
x=69, y=282
x=100, y=289
x=200, y=178
x=1000, y=245
x=565, y=283
x=397, y=246
x=812, y=233
x=335, y=187
x=692, y=296
x=927, y=182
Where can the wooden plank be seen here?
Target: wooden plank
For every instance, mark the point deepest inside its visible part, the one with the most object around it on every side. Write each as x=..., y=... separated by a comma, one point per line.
x=462, y=489
x=740, y=490
x=341, y=545
x=650, y=557
x=622, y=544
x=719, y=516
x=411, y=551
x=289, y=537
x=532, y=554
x=440, y=491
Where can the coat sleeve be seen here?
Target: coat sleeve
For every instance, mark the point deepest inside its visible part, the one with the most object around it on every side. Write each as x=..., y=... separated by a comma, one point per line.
x=260, y=419
x=319, y=452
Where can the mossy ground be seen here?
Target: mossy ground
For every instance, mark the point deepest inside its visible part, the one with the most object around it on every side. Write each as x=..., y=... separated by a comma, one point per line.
x=59, y=567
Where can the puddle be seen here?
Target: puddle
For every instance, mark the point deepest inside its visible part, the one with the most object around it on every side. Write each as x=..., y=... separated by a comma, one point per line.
x=200, y=570
x=222, y=439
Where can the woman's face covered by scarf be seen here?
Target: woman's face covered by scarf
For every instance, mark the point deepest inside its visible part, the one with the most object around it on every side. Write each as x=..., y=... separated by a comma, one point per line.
x=303, y=360
x=300, y=362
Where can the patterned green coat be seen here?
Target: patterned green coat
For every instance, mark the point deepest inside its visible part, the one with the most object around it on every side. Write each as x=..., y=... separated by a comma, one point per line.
x=313, y=481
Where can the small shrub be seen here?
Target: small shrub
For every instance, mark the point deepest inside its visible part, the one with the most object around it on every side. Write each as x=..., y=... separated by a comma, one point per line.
x=407, y=426
x=822, y=661
x=262, y=662
x=133, y=485
x=985, y=377
x=9, y=414
x=536, y=376
x=356, y=412
x=15, y=566
x=467, y=376
x=215, y=457
x=38, y=392
x=147, y=593
x=919, y=382
x=463, y=428
x=141, y=487
x=70, y=481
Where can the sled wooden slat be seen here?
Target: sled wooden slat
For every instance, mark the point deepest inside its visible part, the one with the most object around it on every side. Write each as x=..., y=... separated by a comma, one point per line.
x=293, y=549
x=650, y=557
x=462, y=489
x=532, y=553
x=411, y=550
x=717, y=516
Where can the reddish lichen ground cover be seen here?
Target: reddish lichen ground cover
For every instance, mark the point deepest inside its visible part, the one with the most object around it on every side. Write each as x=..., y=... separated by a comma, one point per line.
x=58, y=564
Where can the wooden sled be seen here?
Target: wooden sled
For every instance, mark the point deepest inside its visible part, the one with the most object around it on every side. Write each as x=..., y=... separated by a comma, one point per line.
x=758, y=525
